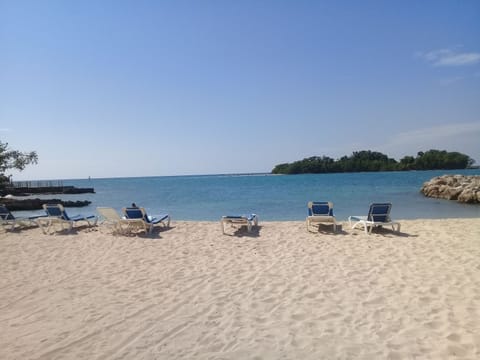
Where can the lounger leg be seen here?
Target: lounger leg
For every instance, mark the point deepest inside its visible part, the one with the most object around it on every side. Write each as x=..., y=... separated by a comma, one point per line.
x=52, y=227
x=354, y=226
x=92, y=223
x=120, y=229
x=46, y=227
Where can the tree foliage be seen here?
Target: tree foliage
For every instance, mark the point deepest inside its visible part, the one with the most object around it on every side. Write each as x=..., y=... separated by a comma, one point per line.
x=13, y=159
x=367, y=160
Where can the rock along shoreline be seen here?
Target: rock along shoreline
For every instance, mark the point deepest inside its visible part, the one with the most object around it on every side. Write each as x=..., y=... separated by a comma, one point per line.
x=462, y=188
x=13, y=203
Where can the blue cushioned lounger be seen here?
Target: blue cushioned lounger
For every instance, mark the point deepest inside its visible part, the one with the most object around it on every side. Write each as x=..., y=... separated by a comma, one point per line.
x=56, y=214
x=320, y=212
x=378, y=215
x=9, y=221
x=242, y=220
x=148, y=221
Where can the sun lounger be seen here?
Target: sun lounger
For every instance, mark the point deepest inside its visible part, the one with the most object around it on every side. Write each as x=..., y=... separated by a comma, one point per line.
x=56, y=214
x=9, y=221
x=110, y=217
x=242, y=220
x=378, y=216
x=148, y=222
x=320, y=213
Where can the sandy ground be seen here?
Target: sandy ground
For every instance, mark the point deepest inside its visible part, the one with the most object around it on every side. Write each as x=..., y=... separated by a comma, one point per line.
x=280, y=292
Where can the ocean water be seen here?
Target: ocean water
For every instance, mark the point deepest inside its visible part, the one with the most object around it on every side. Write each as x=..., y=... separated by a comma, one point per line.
x=272, y=197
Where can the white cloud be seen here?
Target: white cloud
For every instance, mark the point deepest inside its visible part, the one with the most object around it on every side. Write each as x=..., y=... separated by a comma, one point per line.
x=451, y=80
x=461, y=137
x=441, y=131
x=448, y=57
x=4, y=130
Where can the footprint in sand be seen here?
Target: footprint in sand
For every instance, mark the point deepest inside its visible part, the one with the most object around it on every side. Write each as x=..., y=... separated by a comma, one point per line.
x=329, y=316
x=456, y=351
x=299, y=317
x=393, y=355
x=454, y=337
x=425, y=299
x=434, y=325
x=312, y=295
x=375, y=301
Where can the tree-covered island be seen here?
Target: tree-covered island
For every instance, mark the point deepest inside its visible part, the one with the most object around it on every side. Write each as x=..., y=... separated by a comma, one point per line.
x=367, y=160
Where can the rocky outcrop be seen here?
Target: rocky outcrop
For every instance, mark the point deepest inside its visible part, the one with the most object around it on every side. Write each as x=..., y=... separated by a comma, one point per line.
x=48, y=190
x=463, y=188
x=36, y=204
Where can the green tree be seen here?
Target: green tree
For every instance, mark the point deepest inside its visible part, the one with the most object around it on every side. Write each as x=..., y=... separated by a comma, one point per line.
x=441, y=159
x=406, y=163
x=367, y=160
x=13, y=159
x=281, y=169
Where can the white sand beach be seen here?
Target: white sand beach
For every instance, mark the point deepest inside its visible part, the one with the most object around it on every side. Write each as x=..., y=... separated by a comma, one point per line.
x=190, y=292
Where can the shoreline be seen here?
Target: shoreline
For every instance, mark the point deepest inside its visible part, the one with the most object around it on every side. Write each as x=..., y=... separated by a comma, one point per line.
x=278, y=292
x=272, y=197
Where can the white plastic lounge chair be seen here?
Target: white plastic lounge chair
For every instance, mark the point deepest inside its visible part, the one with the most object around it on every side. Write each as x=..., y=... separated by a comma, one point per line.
x=148, y=222
x=9, y=221
x=243, y=220
x=110, y=217
x=320, y=212
x=56, y=214
x=378, y=215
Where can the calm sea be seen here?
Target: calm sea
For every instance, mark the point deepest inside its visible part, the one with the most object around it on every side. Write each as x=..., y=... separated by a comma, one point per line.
x=272, y=197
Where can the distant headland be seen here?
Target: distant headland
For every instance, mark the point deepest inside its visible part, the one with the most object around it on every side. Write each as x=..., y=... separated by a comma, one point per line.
x=367, y=160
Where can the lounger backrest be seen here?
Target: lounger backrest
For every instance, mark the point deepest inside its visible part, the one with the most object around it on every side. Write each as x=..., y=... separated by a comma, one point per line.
x=108, y=213
x=56, y=210
x=379, y=212
x=52, y=210
x=136, y=213
x=316, y=208
x=5, y=214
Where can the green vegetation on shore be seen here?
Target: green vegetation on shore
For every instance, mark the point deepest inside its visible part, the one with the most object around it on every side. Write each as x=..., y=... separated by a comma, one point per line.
x=367, y=160
x=13, y=159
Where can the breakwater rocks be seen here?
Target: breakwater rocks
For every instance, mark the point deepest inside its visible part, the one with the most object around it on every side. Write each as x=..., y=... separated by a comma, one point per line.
x=463, y=188
x=36, y=204
x=27, y=190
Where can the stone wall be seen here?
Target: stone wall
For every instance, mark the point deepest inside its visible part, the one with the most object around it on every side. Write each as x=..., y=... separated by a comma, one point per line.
x=36, y=204
x=463, y=188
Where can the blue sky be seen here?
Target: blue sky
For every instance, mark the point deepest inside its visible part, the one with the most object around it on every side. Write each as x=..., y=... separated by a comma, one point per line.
x=140, y=88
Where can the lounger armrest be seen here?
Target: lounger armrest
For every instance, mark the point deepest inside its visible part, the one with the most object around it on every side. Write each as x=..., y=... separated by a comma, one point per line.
x=76, y=217
x=357, y=218
x=37, y=217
